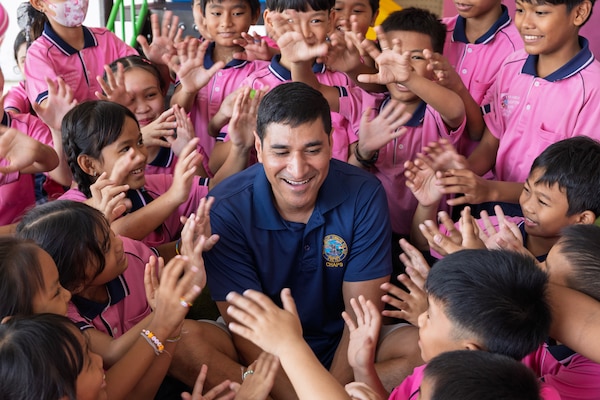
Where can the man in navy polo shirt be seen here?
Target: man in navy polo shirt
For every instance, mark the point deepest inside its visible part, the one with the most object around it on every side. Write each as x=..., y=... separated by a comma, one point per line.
x=302, y=220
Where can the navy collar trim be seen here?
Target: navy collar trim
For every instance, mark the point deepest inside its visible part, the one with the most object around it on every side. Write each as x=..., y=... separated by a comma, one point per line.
x=331, y=194
x=117, y=290
x=164, y=158
x=284, y=74
x=572, y=67
x=417, y=116
x=209, y=62
x=459, y=34
x=89, y=40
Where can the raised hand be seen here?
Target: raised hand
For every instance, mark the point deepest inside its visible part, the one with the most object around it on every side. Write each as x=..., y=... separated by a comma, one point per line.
x=223, y=391
x=162, y=127
x=258, y=384
x=190, y=66
x=109, y=198
x=422, y=179
x=60, y=101
x=184, y=130
x=255, y=316
x=364, y=333
x=243, y=118
x=388, y=125
x=443, y=156
x=184, y=173
x=164, y=37
x=409, y=304
x=444, y=72
x=255, y=48
x=361, y=391
x=113, y=88
x=23, y=153
x=291, y=40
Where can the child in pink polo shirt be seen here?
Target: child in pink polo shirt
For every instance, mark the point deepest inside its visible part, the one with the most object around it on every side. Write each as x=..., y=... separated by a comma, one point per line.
x=95, y=145
x=114, y=295
x=16, y=99
x=224, y=21
x=547, y=92
x=478, y=40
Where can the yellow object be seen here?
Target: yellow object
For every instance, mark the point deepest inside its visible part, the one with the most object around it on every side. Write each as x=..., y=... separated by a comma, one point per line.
x=386, y=7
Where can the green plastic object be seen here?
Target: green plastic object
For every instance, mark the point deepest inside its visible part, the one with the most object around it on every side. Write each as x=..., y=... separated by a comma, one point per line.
x=137, y=19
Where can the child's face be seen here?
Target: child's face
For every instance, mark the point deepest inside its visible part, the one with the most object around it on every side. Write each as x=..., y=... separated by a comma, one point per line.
x=147, y=100
x=314, y=24
x=52, y=298
x=21, y=54
x=225, y=20
x=546, y=29
x=436, y=332
x=360, y=9
x=544, y=207
x=414, y=42
x=115, y=153
x=476, y=8
x=115, y=261
x=67, y=13
x=91, y=383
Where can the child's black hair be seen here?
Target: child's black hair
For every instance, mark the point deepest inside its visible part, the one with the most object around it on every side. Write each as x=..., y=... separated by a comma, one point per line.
x=254, y=5
x=479, y=375
x=21, y=276
x=40, y=358
x=76, y=236
x=300, y=5
x=87, y=129
x=498, y=297
x=580, y=246
x=130, y=62
x=571, y=4
x=573, y=164
x=417, y=20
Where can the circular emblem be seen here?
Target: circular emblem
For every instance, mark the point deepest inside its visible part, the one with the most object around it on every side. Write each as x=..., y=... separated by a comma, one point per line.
x=335, y=249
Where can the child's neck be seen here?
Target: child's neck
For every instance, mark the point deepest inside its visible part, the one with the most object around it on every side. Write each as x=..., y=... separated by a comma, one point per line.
x=98, y=294
x=288, y=65
x=549, y=63
x=476, y=27
x=540, y=246
x=225, y=53
x=73, y=36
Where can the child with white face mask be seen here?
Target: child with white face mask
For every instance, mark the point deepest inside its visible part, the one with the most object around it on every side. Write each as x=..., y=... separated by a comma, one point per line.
x=72, y=52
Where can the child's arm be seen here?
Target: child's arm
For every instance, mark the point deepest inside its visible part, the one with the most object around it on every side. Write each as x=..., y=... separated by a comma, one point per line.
x=241, y=133
x=139, y=372
x=138, y=224
x=25, y=154
x=364, y=335
x=449, y=78
x=191, y=72
x=255, y=318
x=377, y=132
x=60, y=100
x=395, y=67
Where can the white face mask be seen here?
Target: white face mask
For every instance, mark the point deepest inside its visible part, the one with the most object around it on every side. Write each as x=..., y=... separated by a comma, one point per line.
x=71, y=13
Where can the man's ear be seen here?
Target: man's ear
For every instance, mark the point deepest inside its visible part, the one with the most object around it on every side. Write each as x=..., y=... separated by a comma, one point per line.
x=88, y=165
x=258, y=147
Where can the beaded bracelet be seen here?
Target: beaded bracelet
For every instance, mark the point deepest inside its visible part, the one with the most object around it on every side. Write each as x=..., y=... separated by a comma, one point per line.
x=153, y=341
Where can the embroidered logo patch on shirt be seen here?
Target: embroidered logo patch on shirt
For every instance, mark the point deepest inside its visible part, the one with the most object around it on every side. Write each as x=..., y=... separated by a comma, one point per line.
x=335, y=251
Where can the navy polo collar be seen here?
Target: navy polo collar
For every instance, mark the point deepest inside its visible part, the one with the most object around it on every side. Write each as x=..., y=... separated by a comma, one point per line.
x=575, y=64
x=88, y=40
x=284, y=74
x=209, y=62
x=117, y=290
x=417, y=116
x=332, y=193
x=459, y=34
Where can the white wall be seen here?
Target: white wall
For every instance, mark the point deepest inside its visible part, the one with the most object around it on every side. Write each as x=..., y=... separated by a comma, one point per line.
x=7, y=59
